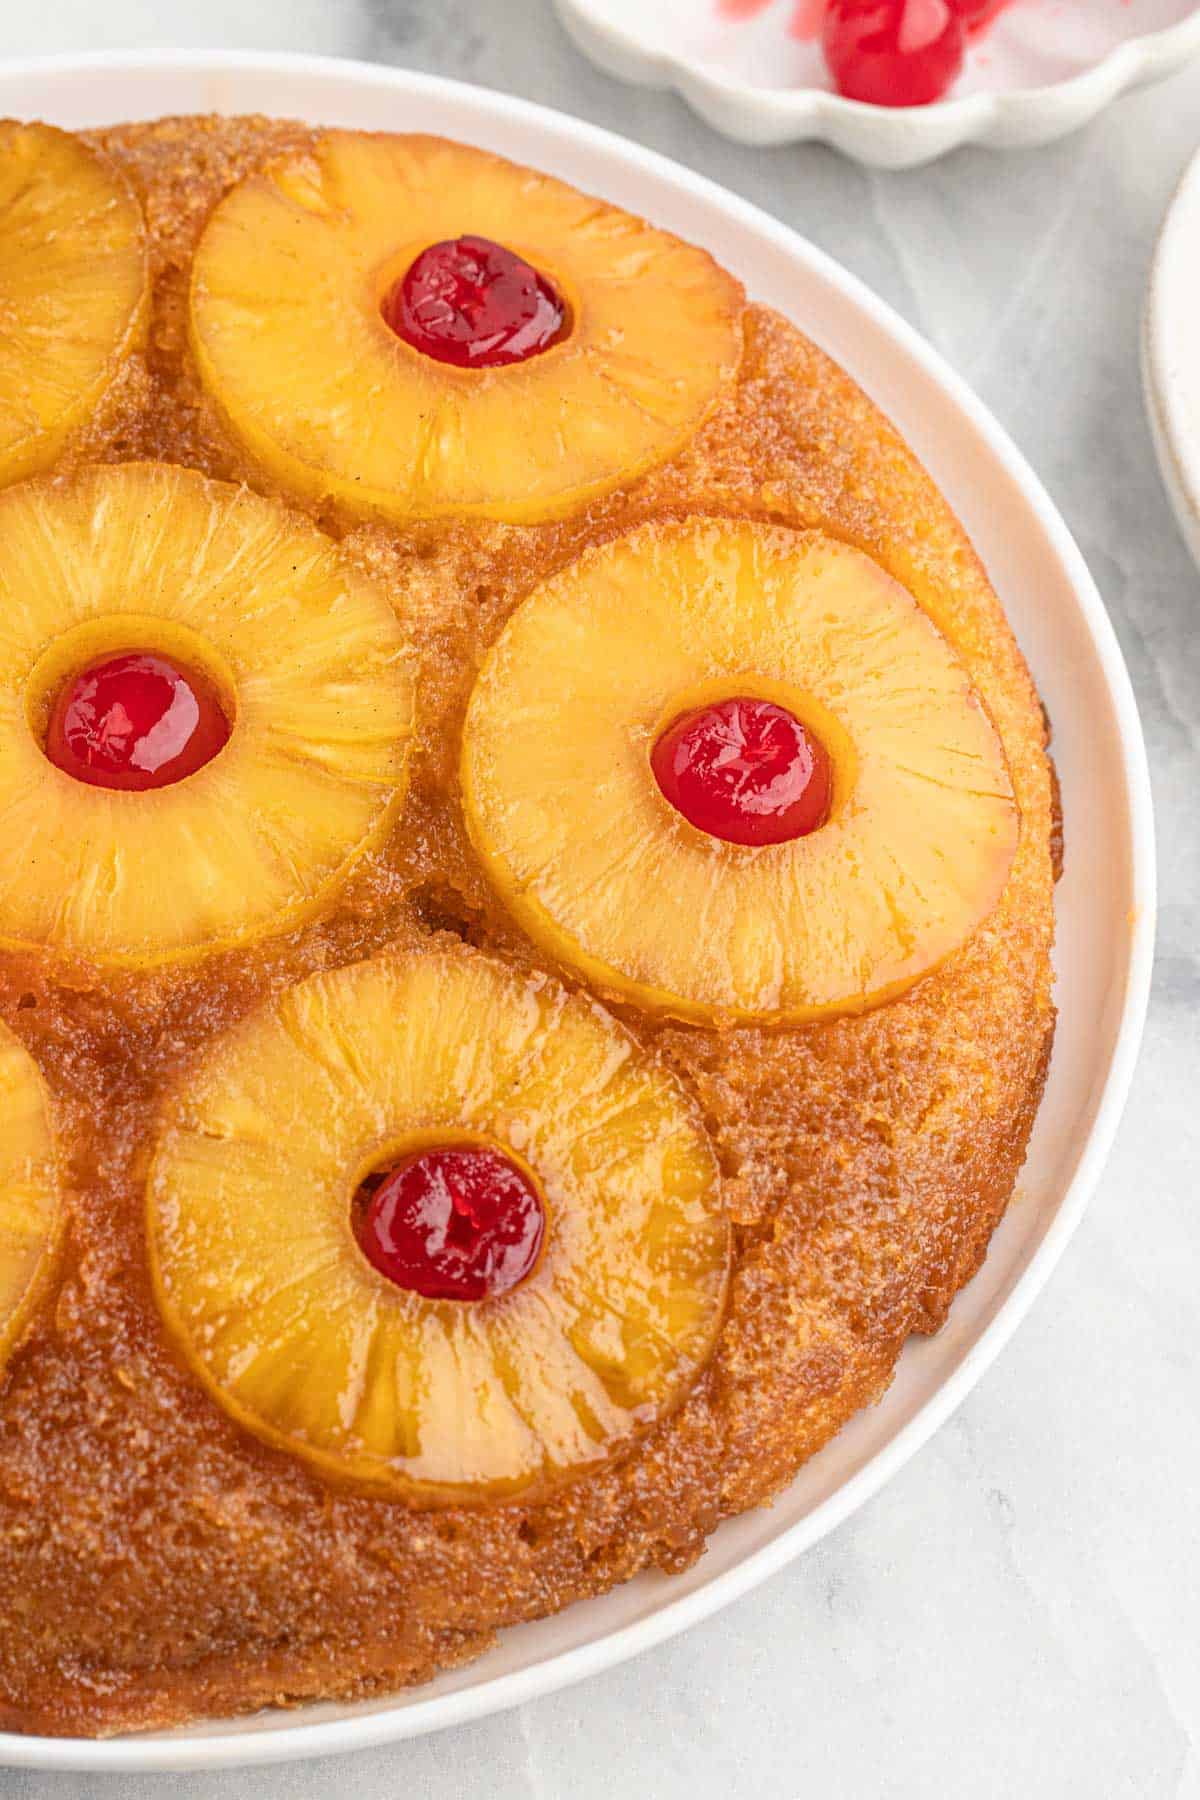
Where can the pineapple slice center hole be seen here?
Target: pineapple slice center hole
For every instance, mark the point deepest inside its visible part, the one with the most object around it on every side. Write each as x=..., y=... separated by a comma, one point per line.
x=474, y=304
x=450, y=1217
x=748, y=767
x=130, y=704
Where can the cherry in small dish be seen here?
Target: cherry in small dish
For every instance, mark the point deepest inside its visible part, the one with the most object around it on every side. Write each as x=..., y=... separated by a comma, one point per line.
x=893, y=52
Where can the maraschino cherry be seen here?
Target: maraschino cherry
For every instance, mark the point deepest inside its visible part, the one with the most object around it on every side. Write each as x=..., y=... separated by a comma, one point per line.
x=452, y=1224
x=476, y=304
x=976, y=14
x=894, y=52
x=135, y=721
x=745, y=770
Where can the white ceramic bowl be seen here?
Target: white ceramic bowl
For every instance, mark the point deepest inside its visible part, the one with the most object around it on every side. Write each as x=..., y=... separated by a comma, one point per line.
x=1041, y=71
x=1106, y=899
x=1171, y=354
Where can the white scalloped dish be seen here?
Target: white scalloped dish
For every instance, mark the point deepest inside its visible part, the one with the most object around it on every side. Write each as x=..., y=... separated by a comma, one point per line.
x=1104, y=907
x=1043, y=68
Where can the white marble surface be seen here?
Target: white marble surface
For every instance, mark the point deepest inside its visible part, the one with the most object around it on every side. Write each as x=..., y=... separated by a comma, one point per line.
x=1018, y=1614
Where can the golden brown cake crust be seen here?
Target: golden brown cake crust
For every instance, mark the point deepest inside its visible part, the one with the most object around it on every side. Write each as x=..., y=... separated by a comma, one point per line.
x=155, y=1562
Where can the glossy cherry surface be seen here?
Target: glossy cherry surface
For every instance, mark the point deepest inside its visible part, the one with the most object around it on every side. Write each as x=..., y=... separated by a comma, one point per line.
x=894, y=52
x=476, y=304
x=135, y=721
x=976, y=14
x=745, y=770
x=452, y=1224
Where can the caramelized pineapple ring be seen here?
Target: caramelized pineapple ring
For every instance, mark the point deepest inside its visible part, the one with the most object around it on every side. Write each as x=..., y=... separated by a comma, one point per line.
x=74, y=288
x=580, y=840
x=30, y=1214
x=297, y=262
x=264, y=1287
x=306, y=656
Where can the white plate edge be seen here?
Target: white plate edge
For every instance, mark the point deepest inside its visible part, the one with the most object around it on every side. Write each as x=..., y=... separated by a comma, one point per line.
x=1178, y=452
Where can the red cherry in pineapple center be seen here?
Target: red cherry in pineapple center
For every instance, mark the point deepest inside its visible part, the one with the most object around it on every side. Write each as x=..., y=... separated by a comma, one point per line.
x=135, y=721
x=893, y=52
x=452, y=1224
x=476, y=304
x=745, y=770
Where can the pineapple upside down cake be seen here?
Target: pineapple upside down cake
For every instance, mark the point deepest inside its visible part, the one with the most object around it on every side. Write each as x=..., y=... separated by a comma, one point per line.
x=524, y=920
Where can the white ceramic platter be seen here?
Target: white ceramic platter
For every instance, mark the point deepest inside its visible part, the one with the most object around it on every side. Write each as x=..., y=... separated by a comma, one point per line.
x=1044, y=68
x=1171, y=354
x=1106, y=899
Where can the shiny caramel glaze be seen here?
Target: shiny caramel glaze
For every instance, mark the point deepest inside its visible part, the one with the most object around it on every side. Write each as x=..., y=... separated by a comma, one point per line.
x=156, y=1563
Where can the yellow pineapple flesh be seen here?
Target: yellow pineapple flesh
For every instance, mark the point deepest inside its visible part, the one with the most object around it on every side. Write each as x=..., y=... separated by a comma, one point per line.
x=311, y=667
x=287, y=331
x=612, y=880
x=30, y=1213
x=74, y=289
x=295, y=1334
